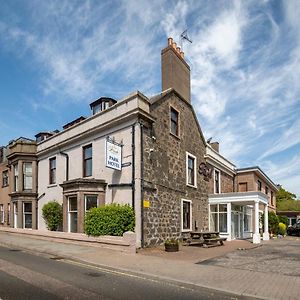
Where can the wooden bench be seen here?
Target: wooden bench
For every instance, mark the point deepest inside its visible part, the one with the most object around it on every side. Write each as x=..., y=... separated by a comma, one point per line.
x=205, y=239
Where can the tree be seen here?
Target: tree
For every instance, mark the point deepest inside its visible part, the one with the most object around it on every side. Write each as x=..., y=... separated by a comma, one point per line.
x=284, y=195
x=286, y=201
x=53, y=215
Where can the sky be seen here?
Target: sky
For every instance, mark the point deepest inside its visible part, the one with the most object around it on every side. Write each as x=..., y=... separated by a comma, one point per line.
x=56, y=57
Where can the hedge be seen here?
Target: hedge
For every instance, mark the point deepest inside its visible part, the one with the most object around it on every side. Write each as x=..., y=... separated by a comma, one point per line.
x=111, y=219
x=53, y=215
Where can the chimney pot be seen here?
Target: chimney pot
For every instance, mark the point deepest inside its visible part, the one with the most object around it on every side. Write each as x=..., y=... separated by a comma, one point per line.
x=170, y=41
x=182, y=54
x=174, y=45
x=178, y=49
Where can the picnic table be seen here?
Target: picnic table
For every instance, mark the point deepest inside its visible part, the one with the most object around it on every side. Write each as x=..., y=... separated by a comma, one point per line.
x=205, y=238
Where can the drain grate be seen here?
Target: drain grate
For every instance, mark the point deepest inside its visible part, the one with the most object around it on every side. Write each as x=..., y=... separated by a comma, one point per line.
x=15, y=250
x=94, y=274
x=56, y=258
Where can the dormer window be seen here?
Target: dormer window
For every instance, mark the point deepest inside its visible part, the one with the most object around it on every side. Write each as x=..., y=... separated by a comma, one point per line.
x=102, y=104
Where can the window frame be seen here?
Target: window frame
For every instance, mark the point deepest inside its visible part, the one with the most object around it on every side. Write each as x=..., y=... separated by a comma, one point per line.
x=189, y=155
x=177, y=134
x=27, y=213
x=1, y=213
x=219, y=181
x=25, y=175
x=5, y=178
x=259, y=185
x=85, y=201
x=85, y=160
x=16, y=177
x=51, y=170
x=191, y=215
x=217, y=213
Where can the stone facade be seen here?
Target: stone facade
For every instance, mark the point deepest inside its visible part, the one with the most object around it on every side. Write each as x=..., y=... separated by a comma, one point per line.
x=165, y=183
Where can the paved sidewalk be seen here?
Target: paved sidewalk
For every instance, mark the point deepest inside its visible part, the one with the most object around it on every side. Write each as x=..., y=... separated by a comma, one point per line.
x=184, y=270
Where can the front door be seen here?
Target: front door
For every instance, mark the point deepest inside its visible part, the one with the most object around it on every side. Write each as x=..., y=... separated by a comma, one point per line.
x=236, y=225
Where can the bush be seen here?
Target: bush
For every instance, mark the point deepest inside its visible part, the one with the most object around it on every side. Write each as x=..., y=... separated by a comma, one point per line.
x=112, y=219
x=281, y=228
x=283, y=219
x=273, y=222
x=53, y=215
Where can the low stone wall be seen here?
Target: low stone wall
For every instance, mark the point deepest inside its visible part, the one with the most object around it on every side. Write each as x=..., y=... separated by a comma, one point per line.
x=125, y=243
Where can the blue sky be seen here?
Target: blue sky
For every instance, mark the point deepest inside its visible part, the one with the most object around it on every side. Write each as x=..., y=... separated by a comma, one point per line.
x=58, y=56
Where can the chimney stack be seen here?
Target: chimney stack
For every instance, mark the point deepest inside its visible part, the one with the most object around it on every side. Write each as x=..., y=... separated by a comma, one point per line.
x=215, y=146
x=175, y=70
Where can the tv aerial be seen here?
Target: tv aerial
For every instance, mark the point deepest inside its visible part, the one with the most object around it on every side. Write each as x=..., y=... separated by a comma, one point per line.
x=184, y=36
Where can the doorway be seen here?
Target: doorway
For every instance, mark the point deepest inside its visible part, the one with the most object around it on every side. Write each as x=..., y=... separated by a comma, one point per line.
x=236, y=224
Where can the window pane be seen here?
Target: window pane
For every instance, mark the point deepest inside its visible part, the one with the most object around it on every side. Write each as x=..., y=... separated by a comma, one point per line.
x=90, y=201
x=174, y=121
x=88, y=167
x=214, y=222
x=186, y=214
x=73, y=204
x=88, y=152
x=223, y=222
x=28, y=220
x=28, y=207
x=213, y=208
x=27, y=182
x=222, y=207
x=28, y=168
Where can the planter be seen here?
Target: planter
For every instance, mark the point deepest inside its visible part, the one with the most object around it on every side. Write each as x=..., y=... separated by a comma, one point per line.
x=172, y=248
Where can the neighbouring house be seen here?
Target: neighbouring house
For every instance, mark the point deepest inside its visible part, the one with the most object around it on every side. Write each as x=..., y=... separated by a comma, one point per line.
x=293, y=216
x=144, y=152
x=5, y=188
x=22, y=162
x=238, y=197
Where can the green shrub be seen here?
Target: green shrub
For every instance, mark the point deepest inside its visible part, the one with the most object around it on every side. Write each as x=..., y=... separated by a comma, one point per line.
x=283, y=219
x=53, y=215
x=273, y=222
x=112, y=219
x=281, y=228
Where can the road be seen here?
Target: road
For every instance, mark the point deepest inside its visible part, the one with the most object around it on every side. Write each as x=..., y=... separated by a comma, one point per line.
x=24, y=275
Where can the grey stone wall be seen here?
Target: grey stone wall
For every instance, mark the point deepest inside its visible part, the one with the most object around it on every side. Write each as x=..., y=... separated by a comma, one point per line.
x=165, y=172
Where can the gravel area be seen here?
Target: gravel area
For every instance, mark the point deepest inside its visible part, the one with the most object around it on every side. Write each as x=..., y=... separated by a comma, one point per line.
x=281, y=256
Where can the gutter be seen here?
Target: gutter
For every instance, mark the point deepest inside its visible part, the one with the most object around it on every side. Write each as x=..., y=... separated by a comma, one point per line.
x=67, y=164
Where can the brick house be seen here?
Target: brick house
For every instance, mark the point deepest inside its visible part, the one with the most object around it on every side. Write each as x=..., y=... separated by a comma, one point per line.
x=18, y=194
x=160, y=144
x=238, y=197
x=5, y=188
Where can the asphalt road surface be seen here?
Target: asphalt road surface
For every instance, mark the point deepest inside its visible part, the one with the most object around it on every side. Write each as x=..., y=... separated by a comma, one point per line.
x=28, y=276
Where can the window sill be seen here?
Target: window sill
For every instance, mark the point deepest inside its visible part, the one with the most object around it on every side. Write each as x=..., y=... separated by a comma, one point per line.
x=51, y=185
x=191, y=186
x=175, y=136
x=186, y=230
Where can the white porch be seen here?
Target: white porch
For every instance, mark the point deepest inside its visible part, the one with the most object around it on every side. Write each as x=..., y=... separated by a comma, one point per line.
x=236, y=215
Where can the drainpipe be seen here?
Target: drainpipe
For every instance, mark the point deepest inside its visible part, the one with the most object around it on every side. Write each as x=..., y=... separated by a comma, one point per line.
x=67, y=164
x=133, y=166
x=142, y=187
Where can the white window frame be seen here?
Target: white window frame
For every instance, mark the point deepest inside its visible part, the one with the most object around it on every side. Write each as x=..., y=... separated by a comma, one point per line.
x=218, y=217
x=85, y=195
x=72, y=211
x=191, y=215
x=27, y=213
x=16, y=178
x=187, y=169
x=217, y=170
x=27, y=175
x=2, y=213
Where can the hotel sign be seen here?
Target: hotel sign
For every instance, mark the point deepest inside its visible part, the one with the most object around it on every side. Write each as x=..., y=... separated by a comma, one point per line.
x=113, y=154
